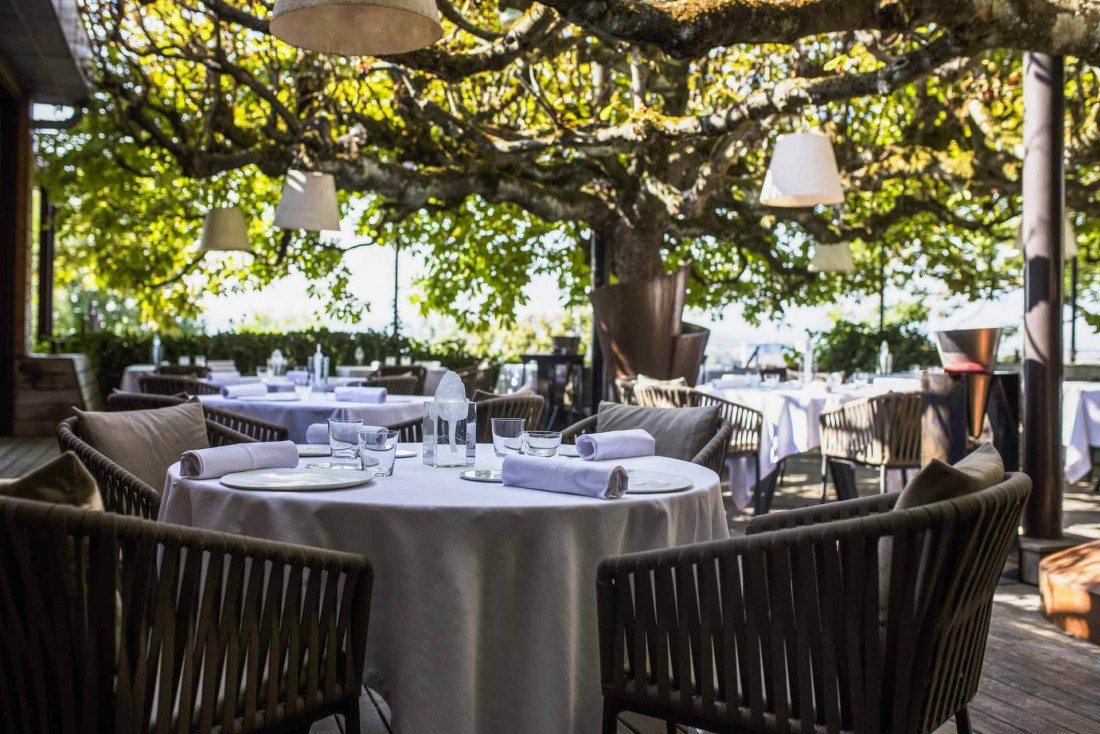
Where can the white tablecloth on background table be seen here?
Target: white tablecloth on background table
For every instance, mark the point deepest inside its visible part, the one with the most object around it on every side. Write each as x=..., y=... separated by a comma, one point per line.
x=131, y=374
x=484, y=611
x=1080, y=427
x=317, y=408
x=791, y=426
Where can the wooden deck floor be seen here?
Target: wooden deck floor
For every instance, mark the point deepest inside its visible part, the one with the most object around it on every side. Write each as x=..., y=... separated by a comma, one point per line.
x=1036, y=679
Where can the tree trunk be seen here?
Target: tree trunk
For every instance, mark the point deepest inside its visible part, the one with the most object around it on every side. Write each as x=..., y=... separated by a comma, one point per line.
x=636, y=252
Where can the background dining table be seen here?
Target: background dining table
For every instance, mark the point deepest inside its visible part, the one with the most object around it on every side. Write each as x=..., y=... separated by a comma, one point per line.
x=484, y=609
x=297, y=415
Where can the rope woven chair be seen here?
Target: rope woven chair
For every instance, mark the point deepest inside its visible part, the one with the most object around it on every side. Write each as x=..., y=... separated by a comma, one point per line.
x=410, y=431
x=124, y=624
x=395, y=384
x=479, y=378
x=419, y=371
x=122, y=492
x=785, y=629
x=624, y=390
x=254, y=428
x=529, y=407
x=712, y=456
x=174, y=385
x=881, y=431
x=180, y=370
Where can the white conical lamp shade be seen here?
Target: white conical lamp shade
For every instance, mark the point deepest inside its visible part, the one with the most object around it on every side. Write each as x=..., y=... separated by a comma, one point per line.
x=225, y=229
x=357, y=27
x=832, y=259
x=308, y=202
x=1069, y=240
x=802, y=172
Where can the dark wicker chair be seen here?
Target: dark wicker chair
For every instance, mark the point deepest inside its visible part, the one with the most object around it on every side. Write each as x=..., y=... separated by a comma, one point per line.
x=122, y=492
x=784, y=629
x=174, y=385
x=395, y=384
x=712, y=456
x=254, y=428
x=882, y=431
x=747, y=423
x=479, y=378
x=410, y=431
x=529, y=407
x=420, y=372
x=180, y=370
x=215, y=632
x=624, y=390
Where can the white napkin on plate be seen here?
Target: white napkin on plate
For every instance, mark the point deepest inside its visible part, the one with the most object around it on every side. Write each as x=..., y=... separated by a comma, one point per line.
x=361, y=394
x=616, y=445
x=222, y=460
x=317, y=433
x=559, y=474
x=244, y=389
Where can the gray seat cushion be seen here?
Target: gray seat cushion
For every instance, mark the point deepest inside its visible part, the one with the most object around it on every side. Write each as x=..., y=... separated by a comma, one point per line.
x=679, y=433
x=146, y=442
x=978, y=470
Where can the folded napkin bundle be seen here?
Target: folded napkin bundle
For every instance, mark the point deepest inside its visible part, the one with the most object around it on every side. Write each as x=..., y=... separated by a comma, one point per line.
x=227, y=377
x=560, y=474
x=221, y=460
x=616, y=445
x=361, y=394
x=245, y=389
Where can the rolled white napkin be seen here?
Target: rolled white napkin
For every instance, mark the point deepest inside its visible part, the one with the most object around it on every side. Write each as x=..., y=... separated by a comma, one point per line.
x=317, y=433
x=222, y=460
x=361, y=394
x=560, y=474
x=226, y=377
x=616, y=445
x=244, y=389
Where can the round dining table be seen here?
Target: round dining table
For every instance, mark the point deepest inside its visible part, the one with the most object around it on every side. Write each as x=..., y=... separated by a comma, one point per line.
x=483, y=618
x=298, y=415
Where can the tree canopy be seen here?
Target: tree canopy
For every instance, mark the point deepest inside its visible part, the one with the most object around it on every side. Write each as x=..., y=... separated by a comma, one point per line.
x=500, y=153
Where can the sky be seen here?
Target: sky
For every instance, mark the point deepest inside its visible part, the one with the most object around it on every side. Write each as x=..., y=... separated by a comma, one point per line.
x=282, y=305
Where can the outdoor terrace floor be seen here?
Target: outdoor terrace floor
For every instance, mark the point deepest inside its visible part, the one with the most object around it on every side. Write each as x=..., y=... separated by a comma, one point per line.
x=1036, y=679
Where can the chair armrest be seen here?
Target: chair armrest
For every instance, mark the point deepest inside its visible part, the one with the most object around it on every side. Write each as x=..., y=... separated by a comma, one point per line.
x=586, y=425
x=220, y=435
x=828, y=512
x=713, y=455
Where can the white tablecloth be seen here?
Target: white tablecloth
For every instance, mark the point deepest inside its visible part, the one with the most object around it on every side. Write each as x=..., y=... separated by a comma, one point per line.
x=131, y=374
x=484, y=610
x=1080, y=427
x=317, y=408
x=790, y=426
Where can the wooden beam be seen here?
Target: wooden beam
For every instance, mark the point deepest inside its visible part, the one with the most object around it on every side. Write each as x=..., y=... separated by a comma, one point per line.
x=15, y=205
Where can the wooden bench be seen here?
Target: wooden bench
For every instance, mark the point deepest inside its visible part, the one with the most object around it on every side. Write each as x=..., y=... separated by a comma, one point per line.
x=1069, y=582
x=47, y=387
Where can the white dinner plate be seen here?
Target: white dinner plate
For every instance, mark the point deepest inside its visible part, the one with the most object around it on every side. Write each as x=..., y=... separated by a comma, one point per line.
x=406, y=453
x=568, y=450
x=492, y=476
x=272, y=397
x=292, y=480
x=644, y=481
x=313, y=449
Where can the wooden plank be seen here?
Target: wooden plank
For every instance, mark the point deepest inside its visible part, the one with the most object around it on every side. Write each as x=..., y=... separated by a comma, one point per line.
x=1035, y=704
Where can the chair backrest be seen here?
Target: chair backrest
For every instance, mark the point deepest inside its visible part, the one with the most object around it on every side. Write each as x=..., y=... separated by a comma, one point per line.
x=880, y=430
x=790, y=623
x=118, y=622
x=419, y=371
x=180, y=370
x=120, y=401
x=404, y=384
x=479, y=378
x=254, y=428
x=529, y=407
x=746, y=423
x=174, y=385
x=122, y=492
x=624, y=390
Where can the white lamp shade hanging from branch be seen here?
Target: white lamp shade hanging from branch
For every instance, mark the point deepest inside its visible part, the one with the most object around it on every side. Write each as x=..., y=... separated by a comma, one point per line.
x=357, y=27
x=225, y=229
x=308, y=202
x=1069, y=240
x=832, y=259
x=802, y=172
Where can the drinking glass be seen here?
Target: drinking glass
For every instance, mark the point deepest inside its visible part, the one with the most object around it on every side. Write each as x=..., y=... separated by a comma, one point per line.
x=860, y=379
x=200, y=360
x=508, y=435
x=185, y=361
x=541, y=443
x=343, y=437
x=263, y=373
x=771, y=379
x=378, y=450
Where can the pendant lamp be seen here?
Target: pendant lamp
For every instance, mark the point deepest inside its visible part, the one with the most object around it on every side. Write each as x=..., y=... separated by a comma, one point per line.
x=308, y=202
x=802, y=172
x=357, y=27
x=832, y=259
x=225, y=229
